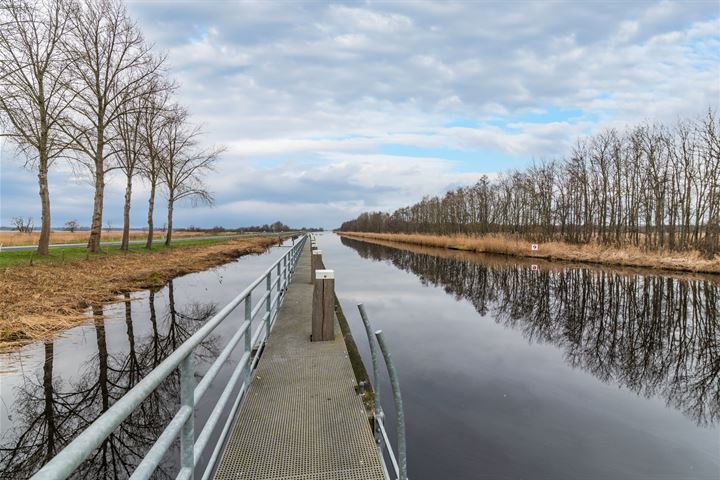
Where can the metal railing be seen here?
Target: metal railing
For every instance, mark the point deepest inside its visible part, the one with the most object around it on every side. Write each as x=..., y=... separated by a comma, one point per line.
x=182, y=424
x=382, y=440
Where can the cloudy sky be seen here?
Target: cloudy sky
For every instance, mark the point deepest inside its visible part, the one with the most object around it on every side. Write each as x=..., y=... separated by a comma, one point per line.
x=330, y=109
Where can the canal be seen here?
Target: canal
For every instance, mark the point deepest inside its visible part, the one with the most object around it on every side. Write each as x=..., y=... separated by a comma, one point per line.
x=564, y=372
x=567, y=372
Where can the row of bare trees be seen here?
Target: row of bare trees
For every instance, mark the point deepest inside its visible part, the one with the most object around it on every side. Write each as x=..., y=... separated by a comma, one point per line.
x=79, y=83
x=651, y=186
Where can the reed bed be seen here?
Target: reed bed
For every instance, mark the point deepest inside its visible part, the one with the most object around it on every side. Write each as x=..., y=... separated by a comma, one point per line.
x=37, y=302
x=691, y=261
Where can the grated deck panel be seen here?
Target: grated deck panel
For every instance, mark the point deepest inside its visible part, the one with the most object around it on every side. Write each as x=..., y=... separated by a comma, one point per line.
x=302, y=419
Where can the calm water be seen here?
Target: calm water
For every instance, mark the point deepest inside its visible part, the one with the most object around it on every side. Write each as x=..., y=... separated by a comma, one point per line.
x=507, y=373
x=560, y=373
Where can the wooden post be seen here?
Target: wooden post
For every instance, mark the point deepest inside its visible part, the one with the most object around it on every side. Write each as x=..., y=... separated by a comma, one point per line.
x=323, y=311
x=315, y=263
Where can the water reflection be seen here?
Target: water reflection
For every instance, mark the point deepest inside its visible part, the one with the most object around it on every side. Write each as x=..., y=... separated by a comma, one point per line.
x=49, y=409
x=656, y=335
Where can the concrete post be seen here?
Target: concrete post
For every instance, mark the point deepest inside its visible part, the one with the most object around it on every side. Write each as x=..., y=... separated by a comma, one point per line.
x=323, y=307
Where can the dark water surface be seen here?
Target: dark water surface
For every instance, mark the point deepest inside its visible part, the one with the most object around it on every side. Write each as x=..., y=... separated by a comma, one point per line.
x=52, y=391
x=507, y=373
x=567, y=372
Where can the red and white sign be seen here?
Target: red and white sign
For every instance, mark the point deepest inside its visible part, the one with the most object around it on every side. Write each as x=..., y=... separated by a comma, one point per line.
x=534, y=268
x=534, y=247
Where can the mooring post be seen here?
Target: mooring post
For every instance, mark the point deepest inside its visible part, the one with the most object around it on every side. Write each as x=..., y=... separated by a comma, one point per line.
x=323, y=311
x=316, y=263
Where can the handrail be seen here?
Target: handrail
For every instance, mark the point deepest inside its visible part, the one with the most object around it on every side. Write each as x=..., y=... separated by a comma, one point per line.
x=399, y=410
x=69, y=458
x=376, y=379
x=379, y=432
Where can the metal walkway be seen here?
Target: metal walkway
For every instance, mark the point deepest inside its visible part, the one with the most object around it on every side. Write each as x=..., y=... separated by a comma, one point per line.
x=301, y=419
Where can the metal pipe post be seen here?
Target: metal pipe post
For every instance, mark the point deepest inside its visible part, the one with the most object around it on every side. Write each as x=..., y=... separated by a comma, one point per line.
x=187, y=398
x=376, y=380
x=285, y=273
x=268, y=306
x=397, y=397
x=248, y=334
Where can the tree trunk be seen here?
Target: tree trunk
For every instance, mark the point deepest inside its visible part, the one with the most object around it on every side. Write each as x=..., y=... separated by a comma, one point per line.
x=44, y=241
x=168, y=234
x=103, y=382
x=151, y=208
x=125, y=244
x=49, y=394
x=96, y=226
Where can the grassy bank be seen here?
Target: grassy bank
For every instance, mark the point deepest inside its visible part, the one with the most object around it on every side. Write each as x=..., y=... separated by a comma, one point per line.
x=598, y=254
x=75, y=254
x=10, y=239
x=37, y=301
x=361, y=374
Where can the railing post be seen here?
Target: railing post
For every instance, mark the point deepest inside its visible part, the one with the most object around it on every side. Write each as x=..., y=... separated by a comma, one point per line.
x=248, y=334
x=268, y=306
x=279, y=283
x=397, y=397
x=323, y=311
x=187, y=398
x=376, y=375
x=285, y=272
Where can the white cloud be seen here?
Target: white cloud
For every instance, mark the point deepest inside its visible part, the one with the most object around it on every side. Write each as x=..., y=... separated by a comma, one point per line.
x=308, y=95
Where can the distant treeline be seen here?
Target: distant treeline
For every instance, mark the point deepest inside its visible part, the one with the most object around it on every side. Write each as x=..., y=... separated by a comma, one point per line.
x=651, y=186
x=276, y=227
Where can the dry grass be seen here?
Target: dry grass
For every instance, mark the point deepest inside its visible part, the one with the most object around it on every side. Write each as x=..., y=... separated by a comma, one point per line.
x=9, y=239
x=38, y=301
x=593, y=253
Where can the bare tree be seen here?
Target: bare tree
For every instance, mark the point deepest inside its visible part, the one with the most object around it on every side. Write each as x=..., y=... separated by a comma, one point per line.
x=112, y=66
x=33, y=98
x=72, y=225
x=22, y=225
x=154, y=121
x=131, y=145
x=184, y=165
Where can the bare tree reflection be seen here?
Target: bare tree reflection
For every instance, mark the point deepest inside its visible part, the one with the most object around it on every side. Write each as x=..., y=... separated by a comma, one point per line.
x=49, y=413
x=658, y=336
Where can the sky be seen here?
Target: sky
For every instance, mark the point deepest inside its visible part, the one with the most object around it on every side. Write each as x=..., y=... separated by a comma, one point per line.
x=331, y=109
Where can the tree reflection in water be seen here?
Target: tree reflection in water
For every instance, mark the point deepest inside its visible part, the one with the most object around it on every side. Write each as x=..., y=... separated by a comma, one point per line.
x=656, y=335
x=49, y=412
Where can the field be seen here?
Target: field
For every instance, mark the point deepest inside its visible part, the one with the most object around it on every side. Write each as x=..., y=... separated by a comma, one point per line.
x=10, y=239
x=593, y=253
x=40, y=299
